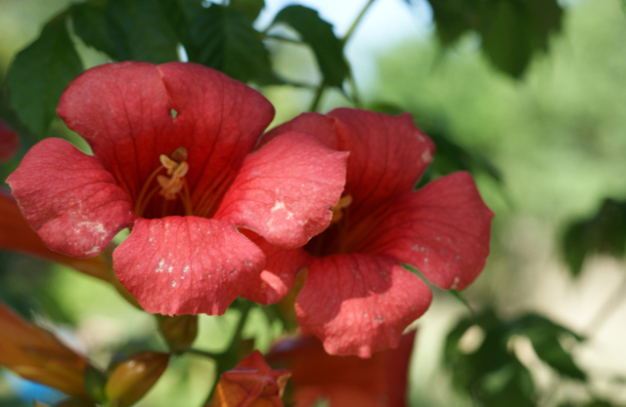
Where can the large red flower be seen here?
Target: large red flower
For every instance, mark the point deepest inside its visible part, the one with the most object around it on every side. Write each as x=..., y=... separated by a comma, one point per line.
x=172, y=161
x=357, y=297
x=345, y=381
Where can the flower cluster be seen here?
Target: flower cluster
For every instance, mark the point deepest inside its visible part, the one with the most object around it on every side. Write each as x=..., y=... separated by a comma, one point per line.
x=218, y=210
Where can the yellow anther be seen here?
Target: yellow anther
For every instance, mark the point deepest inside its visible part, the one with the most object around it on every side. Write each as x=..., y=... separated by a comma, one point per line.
x=337, y=210
x=169, y=186
x=169, y=164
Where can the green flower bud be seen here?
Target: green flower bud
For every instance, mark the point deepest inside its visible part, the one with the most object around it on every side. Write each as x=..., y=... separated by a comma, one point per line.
x=179, y=331
x=134, y=377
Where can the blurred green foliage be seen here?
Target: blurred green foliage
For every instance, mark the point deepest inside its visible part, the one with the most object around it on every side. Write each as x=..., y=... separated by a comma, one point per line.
x=604, y=232
x=511, y=31
x=553, y=141
x=480, y=353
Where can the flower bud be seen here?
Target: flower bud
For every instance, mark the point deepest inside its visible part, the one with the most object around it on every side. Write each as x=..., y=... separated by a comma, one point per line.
x=36, y=354
x=251, y=383
x=179, y=331
x=134, y=377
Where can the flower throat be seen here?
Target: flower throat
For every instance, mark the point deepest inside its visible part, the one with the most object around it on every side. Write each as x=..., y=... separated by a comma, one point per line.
x=171, y=186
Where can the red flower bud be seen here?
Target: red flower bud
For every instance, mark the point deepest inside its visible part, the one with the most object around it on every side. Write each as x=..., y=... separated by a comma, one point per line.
x=251, y=383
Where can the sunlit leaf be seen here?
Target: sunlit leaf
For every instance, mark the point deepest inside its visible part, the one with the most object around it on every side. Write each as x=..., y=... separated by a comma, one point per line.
x=319, y=34
x=39, y=74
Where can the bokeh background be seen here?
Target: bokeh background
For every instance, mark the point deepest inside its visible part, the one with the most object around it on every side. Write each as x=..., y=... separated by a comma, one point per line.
x=547, y=148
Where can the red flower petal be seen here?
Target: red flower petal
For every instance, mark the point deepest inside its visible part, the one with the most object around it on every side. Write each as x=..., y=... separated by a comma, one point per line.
x=16, y=234
x=321, y=126
x=220, y=119
x=9, y=142
x=359, y=304
x=284, y=190
x=442, y=229
x=186, y=265
x=380, y=381
x=70, y=199
x=387, y=156
x=281, y=268
x=124, y=111
x=121, y=110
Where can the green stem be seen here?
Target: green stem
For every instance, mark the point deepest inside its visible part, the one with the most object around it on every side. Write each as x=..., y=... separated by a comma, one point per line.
x=224, y=359
x=356, y=99
x=283, y=39
x=318, y=96
x=210, y=355
x=353, y=88
x=356, y=22
x=463, y=301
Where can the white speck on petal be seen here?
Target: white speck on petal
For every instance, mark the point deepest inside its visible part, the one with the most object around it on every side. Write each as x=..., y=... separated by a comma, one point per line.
x=427, y=156
x=159, y=267
x=279, y=205
x=173, y=283
x=185, y=269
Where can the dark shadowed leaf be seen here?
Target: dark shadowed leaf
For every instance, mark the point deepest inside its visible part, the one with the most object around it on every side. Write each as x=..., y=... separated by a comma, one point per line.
x=594, y=403
x=603, y=232
x=98, y=30
x=39, y=74
x=479, y=355
x=249, y=8
x=224, y=39
x=544, y=336
x=174, y=12
x=148, y=34
x=455, y=17
x=512, y=31
x=319, y=34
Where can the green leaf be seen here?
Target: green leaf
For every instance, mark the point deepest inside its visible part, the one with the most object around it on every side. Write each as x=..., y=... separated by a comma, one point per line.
x=550, y=351
x=180, y=13
x=98, y=30
x=319, y=34
x=489, y=370
x=39, y=74
x=249, y=8
x=454, y=18
x=224, y=39
x=512, y=31
x=95, y=382
x=603, y=232
x=544, y=336
x=146, y=30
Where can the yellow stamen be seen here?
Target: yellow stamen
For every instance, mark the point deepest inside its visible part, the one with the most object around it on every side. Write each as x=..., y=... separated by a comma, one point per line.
x=337, y=210
x=169, y=186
